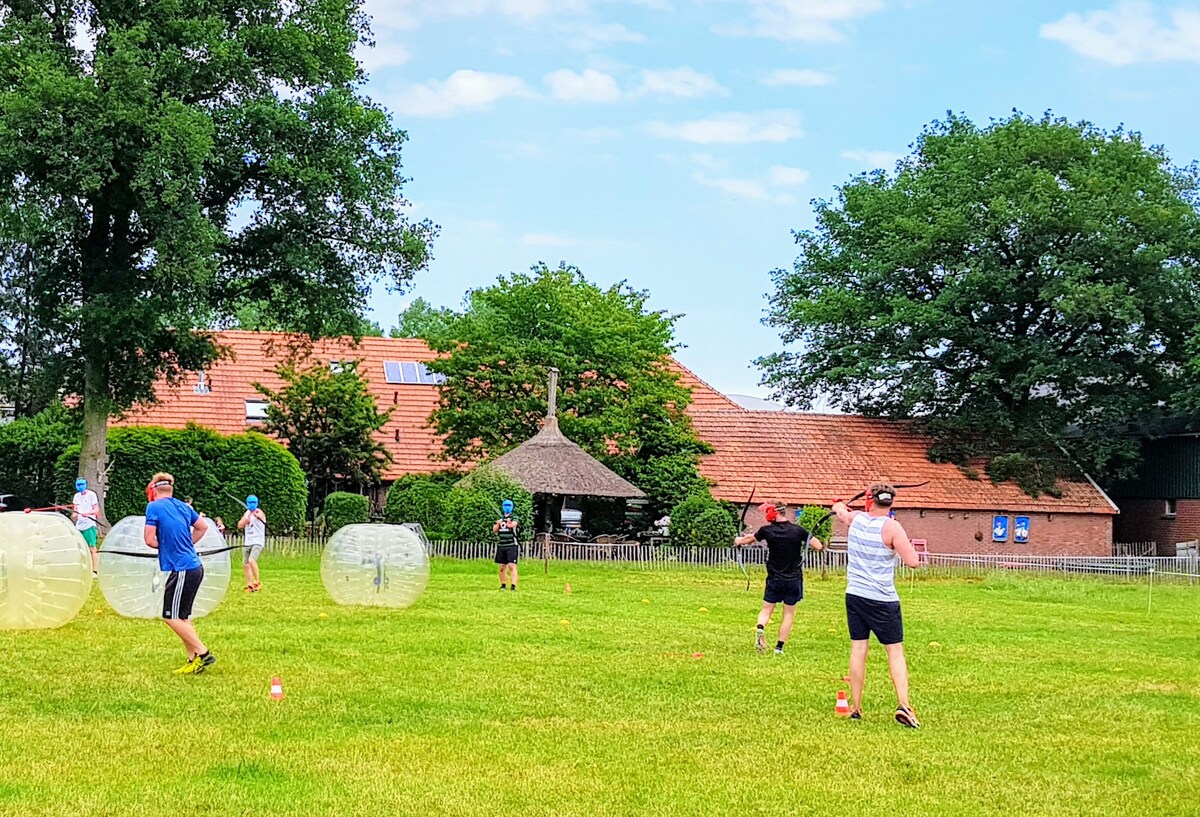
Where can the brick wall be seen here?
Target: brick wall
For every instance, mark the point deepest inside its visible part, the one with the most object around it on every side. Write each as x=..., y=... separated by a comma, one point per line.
x=1056, y=534
x=1143, y=520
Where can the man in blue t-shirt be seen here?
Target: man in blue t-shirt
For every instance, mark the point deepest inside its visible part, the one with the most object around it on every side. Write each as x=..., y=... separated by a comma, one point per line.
x=173, y=528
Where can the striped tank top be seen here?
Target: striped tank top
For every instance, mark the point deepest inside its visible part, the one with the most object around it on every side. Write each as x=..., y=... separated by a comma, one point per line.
x=871, y=565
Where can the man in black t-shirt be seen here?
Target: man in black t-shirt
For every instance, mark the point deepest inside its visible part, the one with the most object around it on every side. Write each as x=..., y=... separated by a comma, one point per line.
x=785, y=575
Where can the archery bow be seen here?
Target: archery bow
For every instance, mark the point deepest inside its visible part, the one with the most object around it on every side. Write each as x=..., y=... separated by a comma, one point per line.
x=737, y=551
x=852, y=499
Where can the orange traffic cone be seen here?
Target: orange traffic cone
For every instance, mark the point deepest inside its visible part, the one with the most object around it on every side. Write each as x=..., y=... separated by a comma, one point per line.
x=568, y=590
x=842, y=707
x=276, y=689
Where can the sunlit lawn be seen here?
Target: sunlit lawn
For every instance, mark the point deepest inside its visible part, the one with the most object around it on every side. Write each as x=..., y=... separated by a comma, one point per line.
x=1038, y=696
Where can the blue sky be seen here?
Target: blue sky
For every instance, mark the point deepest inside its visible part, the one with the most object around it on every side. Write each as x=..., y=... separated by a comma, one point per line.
x=677, y=143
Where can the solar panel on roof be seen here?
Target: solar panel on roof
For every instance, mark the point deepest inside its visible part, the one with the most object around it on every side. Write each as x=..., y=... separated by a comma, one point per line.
x=391, y=372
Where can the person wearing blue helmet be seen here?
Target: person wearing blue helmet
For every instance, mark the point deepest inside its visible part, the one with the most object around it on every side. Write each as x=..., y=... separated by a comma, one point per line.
x=85, y=510
x=507, y=530
x=254, y=522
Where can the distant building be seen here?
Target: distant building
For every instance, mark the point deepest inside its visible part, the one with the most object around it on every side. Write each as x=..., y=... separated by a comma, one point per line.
x=799, y=458
x=1162, y=503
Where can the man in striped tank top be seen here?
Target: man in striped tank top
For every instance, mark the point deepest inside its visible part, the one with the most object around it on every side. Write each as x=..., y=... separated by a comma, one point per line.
x=873, y=543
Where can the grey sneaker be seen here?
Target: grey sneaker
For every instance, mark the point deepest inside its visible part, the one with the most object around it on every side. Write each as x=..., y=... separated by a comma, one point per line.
x=760, y=642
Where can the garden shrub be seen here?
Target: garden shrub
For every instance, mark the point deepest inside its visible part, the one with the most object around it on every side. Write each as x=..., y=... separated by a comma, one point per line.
x=421, y=498
x=218, y=472
x=342, y=508
x=700, y=521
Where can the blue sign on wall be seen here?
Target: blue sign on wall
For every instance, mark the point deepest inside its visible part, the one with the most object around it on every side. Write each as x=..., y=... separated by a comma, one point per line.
x=999, y=528
x=1021, y=529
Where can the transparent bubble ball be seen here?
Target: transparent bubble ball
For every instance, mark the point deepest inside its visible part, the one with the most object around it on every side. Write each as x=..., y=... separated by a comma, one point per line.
x=375, y=566
x=134, y=586
x=45, y=571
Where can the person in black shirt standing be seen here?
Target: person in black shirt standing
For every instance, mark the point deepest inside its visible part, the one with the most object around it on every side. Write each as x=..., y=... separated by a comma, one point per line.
x=785, y=574
x=506, y=530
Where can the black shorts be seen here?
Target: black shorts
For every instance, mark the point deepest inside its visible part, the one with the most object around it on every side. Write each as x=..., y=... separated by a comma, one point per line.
x=180, y=592
x=866, y=616
x=789, y=591
x=507, y=554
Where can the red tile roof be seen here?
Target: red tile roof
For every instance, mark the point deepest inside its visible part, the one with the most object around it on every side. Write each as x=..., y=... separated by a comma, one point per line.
x=255, y=356
x=810, y=458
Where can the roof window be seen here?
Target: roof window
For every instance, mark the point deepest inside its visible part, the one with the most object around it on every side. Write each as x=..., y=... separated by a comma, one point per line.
x=410, y=372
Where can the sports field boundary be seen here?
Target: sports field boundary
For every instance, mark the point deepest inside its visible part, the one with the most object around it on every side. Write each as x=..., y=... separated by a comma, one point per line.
x=1184, y=569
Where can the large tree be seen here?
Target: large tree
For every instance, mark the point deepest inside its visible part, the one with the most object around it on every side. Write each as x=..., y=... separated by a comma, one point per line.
x=327, y=418
x=1024, y=290
x=618, y=398
x=170, y=163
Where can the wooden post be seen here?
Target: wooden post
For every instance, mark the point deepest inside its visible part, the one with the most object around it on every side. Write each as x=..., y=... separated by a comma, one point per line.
x=553, y=392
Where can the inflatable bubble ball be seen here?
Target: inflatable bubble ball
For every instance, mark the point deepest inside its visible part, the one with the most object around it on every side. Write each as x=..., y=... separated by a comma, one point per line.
x=134, y=586
x=45, y=571
x=375, y=566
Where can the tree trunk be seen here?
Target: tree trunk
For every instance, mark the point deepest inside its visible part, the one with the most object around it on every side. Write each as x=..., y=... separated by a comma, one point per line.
x=93, y=455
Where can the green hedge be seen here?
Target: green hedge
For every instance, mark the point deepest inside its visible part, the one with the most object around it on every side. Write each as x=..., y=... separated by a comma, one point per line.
x=217, y=472
x=30, y=448
x=466, y=519
x=809, y=515
x=343, y=509
x=421, y=498
x=699, y=521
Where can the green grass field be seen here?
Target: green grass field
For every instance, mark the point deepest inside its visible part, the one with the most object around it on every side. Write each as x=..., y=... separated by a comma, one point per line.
x=1038, y=696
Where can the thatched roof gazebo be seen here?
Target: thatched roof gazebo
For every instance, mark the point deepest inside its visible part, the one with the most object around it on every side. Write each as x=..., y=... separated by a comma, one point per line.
x=549, y=463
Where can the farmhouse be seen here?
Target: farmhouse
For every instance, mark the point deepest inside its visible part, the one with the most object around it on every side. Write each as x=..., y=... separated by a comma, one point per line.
x=1161, y=504
x=800, y=458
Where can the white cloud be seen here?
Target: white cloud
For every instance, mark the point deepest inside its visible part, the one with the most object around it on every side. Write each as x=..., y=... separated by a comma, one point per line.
x=708, y=161
x=411, y=14
x=685, y=82
x=585, y=35
x=741, y=188
x=732, y=129
x=463, y=90
x=590, y=86
x=386, y=53
x=803, y=20
x=796, y=77
x=759, y=189
x=873, y=158
x=784, y=176
x=1129, y=33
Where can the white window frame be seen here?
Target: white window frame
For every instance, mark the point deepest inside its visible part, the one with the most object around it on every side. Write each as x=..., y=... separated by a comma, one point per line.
x=256, y=410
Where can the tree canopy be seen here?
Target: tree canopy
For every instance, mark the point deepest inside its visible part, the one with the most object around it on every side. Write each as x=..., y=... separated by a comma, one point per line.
x=327, y=419
x=163, y=165
x=1017, y=289
x=619, y=399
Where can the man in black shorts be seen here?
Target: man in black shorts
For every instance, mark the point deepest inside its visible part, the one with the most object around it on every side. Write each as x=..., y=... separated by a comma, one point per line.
x=506, y=530
x=785, y=576
x=874, y=543
x=173, y=528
